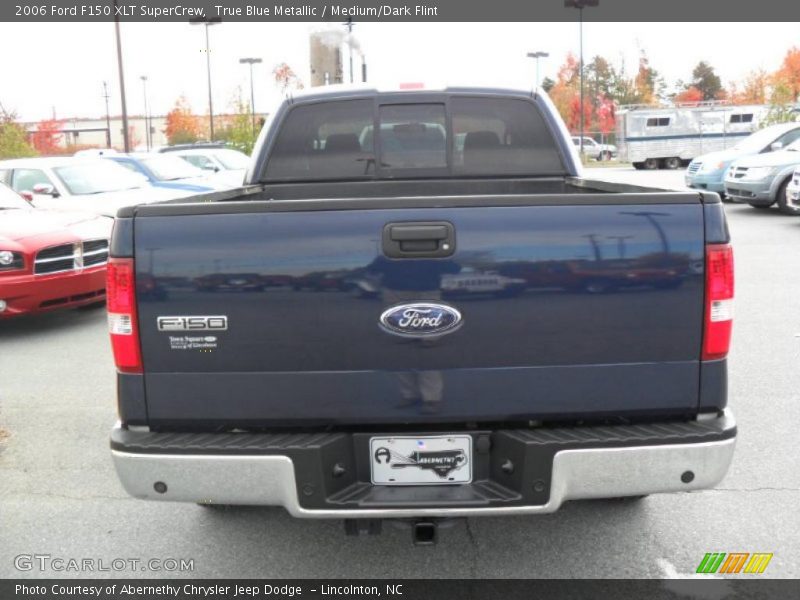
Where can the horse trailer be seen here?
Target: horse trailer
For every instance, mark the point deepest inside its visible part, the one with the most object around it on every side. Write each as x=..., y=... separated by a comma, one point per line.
x=658, y=137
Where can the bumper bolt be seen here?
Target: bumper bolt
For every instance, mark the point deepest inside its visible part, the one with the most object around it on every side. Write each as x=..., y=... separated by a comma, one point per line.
x=687, y=477
x=538, y=485
x=507, y=467
x=308, y=490
x=339, y=470
x=160, y=487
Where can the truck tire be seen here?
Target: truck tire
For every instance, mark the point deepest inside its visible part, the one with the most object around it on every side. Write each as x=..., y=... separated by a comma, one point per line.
x=783, y=206
x=761, y=206
x=673, y=162
x=651, y=164
x=638, y=166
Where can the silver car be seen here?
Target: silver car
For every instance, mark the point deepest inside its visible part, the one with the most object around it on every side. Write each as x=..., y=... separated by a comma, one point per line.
x=762, y=180
x=793, y=193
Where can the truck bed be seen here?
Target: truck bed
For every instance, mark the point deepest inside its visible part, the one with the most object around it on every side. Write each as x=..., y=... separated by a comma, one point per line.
x=456, y=192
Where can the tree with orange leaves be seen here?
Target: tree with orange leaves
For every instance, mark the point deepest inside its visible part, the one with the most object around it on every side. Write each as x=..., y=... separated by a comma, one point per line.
x=182, y=126
x=605, y=113
x=565, y=91
x=286, y=79
x=788, y=75
x=646, y=81
x=574, y=114
x=753, y=89
x=690, y=95
x=600, y=83
x=47, y=137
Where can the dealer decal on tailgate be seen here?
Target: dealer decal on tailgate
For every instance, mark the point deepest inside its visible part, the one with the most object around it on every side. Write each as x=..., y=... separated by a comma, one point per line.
x=420, y=461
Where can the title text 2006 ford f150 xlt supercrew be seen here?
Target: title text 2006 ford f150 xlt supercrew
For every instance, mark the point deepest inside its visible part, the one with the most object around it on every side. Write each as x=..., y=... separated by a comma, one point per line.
x=416, y=307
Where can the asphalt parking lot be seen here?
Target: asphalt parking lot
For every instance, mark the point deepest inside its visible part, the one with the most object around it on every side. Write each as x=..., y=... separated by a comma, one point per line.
x=59, y=495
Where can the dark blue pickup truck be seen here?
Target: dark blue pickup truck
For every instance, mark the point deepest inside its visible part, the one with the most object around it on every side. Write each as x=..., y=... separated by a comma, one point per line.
x=417, y=307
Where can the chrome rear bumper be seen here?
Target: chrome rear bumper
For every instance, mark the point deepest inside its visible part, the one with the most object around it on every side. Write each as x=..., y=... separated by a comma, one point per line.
x=576, y=474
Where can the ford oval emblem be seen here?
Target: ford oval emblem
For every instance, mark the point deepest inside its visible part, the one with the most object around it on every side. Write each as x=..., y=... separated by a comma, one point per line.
x=421, y=319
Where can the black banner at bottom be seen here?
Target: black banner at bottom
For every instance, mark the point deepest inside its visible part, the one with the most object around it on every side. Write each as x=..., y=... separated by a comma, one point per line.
x=399, y=589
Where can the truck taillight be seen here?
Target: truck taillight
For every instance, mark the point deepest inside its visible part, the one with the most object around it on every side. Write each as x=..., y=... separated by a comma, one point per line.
x=719, y=301
x=122, y=321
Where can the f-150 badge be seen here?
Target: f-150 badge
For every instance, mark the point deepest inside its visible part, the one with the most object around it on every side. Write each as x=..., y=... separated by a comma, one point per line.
x=421, y=319
x=193, y=323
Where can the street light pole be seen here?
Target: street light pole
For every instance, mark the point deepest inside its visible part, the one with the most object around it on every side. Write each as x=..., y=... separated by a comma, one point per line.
x=580, y=28
x=580, y=5
x=108, y=116
x=208, y=22
x=537, y=55
x=147, y=140
x=251, y=62
x=125, y=140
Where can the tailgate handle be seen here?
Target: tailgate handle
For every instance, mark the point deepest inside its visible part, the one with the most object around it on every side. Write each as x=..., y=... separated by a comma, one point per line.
x=416, y=233
x=419, y=240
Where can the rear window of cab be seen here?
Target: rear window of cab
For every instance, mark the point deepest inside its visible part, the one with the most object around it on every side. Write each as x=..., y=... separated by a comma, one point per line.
x=465, y=136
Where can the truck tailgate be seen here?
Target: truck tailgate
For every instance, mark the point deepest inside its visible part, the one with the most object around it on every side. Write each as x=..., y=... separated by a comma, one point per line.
x=565, y=310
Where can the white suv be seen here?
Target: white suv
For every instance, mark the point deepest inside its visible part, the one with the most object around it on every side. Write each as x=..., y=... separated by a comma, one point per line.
x=595, y=150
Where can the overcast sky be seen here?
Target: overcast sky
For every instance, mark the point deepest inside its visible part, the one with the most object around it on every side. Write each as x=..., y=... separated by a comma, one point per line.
x=61, y=67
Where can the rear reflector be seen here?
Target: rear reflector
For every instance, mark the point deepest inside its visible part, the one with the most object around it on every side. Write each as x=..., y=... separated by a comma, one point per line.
x=719, y=301
x=122, y=322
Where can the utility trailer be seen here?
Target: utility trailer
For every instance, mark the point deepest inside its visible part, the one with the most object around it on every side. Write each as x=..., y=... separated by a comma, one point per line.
x=670, y=137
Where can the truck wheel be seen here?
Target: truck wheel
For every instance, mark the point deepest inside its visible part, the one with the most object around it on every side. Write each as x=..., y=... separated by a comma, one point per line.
x=638, y=166
x=673, y=162
x=783, y=205
x=651, y=164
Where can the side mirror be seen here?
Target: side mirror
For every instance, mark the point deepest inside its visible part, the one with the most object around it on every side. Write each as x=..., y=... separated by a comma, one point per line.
x=775, y=146
x=27, y=194
x=45, y=189
x=212, y=168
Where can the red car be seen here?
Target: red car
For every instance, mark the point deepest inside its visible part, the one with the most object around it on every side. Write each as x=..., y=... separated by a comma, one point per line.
x=49, y=259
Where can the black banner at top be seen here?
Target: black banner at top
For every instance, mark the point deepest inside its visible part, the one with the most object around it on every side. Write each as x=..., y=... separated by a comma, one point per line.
x=401, y=10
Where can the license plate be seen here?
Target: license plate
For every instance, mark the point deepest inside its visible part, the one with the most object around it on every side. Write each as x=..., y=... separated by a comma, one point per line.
x=427, y=460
